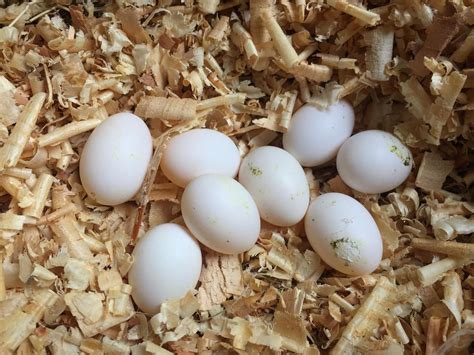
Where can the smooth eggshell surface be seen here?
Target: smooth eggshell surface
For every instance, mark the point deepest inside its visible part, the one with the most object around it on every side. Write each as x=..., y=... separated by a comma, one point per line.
x=277, y=183
x=115, y=159
x=314, y=136
x=374, y=162
x=344, y=234
x=220, y=213
x=167, y=265
x=199, y=152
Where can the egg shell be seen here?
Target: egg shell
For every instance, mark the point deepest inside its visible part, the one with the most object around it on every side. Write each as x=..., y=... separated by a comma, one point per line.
x=220, y=213
x=277, y=183
x=315, y=135
x=374, y=162
x=199, y=152
x=115, y=159
x=167, y=264
x=344, y=234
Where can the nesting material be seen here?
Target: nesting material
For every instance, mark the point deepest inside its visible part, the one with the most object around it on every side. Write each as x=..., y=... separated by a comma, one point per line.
x=379, y=53
x=439, y=35
x=378, y=306
x=358, y=12
x=11, y=151
x=314, y=72
x=242, y=68
x=67, y=131
x=40, y=195
x=280, y=41
x=433, y=172
x=456, y=249
x=167, y=109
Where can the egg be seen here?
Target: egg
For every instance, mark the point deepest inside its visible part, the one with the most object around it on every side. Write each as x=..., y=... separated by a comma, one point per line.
x=115, y=159
x=315, y=135
x=167, y=264
x=277, y=183
x=374, y=162
x=344, y=234
x=199, y=152
x=220, y=213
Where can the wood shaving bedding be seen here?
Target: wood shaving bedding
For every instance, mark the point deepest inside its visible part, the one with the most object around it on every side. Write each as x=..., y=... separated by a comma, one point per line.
x=241, y=67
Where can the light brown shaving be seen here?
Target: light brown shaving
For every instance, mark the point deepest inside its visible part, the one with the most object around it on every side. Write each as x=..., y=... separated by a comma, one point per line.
x=10, y=153
x=280, y=41
x=359, y=13
x=456, y=249
x=167, y=109
x=433, y=172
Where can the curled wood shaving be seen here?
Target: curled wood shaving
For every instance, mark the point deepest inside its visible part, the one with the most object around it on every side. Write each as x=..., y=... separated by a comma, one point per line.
x=466, y=48
x=227, y=271
x=381, y=299
x=431, y=273
x=439, y=34
x=208, y=6
x=243, y=68
x=423, y=12
x=281, y=43
x=68, y=131
x=334, y=61
x=359, y=13
x=314, y=72
x=131, y=25
x=453, y=295
x=440, y=110
x=25, y=320
x=167, y=109
x=40, y=194
x=380, y=43
x=450, y=227
x=18, y=190
x=433, y=172
x=11, y=151
x=67, y=233
x=416, y=97
x=459, y=250
x=292, y=331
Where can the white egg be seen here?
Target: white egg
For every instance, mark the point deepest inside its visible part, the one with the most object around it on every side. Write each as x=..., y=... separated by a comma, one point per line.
x=277, y=183
x=344, y=234
x=199, y=152
x=220, y=213
x=314, y=136
x=115, y=159
x=374, y=162
x=167, y=264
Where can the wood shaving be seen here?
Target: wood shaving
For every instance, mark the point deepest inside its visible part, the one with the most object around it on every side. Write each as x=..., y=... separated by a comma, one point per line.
x=439, y=34
x=379, y=53
x=242, y=68
x=358, y=12
x=433, y=172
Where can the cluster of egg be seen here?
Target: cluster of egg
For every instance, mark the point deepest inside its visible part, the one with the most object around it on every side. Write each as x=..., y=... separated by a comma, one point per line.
x=224, y=213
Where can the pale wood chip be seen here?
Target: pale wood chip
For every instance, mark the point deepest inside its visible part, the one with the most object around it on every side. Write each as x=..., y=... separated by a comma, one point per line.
x=11, y=151
x=365, y=16
x=439, y=35
x=372, y=311
x=24, y=321
x=456, y=249
x=281, y=43
x=431, y=273
x=292, y=330
x=220, y=277
x=167, y=109
x=379, y=54
x=433, y=172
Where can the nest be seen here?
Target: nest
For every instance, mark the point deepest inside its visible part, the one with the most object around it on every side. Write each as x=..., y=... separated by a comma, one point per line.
x=241, y=67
